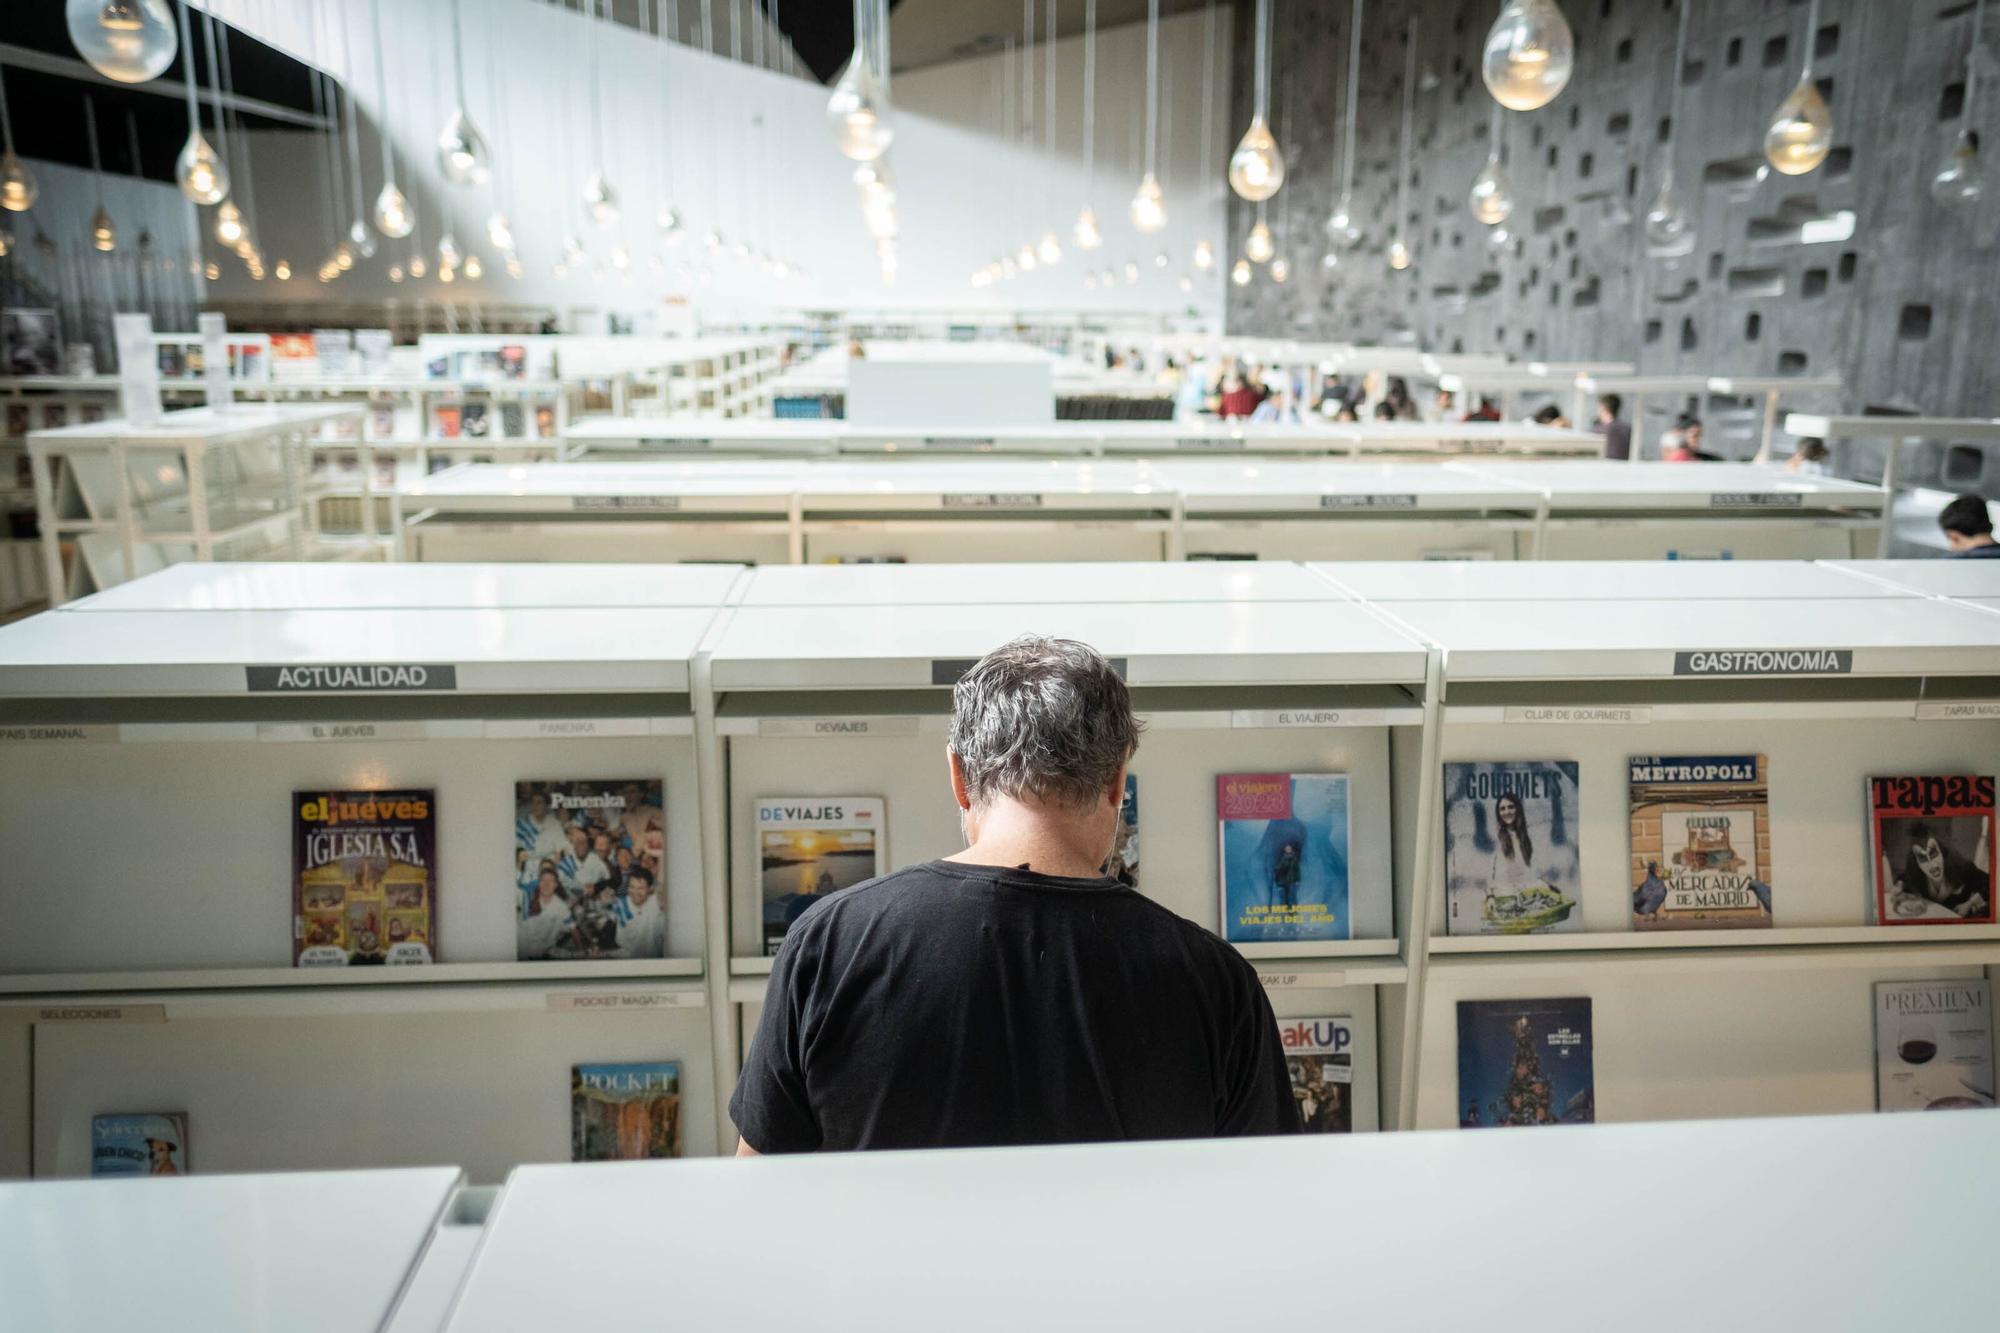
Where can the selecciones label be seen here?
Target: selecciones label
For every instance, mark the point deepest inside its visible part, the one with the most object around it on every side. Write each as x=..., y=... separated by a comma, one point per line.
x=1958, y=710
x=837, y=726
x=1309, y=717
x=1757, y=500
x=1581, y=716
x=1779, y=662
x=56, y=735
x=1367, y=502
x=86, y=1013
x=622, y=1001
x=1016, y=500
x=657, y=504
x=354, y=678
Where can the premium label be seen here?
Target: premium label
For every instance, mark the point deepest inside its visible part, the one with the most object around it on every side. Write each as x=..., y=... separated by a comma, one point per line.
x=355, y=678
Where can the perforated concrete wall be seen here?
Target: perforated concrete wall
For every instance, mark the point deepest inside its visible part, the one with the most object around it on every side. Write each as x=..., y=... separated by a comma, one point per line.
x=1906, y=309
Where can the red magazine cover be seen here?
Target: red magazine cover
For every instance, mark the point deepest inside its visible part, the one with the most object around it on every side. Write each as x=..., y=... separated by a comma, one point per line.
x=1933, y=849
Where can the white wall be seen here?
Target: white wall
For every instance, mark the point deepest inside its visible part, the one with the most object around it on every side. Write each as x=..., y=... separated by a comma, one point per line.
x=673, y=109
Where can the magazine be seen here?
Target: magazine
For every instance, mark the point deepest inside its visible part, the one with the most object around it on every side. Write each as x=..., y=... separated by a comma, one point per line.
x=31, y=341
x=545, y=421
x=1319, y=1054
x=588, y=869
x=448, y=414
x=513, y=421
x=1124, y=863
x=364, y=877
x=624, y=1112
x=1701, y=842
x=1525, y=1062
x=475, y=421
x=152, y=1144
x=1283, y=841
x=810, y=847
x=1510, y=847
x=1933, y=849
x=1933, y=1045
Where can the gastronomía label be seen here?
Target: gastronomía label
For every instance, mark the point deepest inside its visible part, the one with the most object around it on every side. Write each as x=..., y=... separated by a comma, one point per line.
x=1761, y=662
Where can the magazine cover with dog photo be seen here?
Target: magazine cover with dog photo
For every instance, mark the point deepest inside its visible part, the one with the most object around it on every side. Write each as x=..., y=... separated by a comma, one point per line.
x=154, y=1144
x=589, y=878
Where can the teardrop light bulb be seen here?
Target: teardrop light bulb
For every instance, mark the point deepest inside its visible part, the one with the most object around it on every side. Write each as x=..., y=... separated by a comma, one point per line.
x=200, y=173
x=228, y=223
x=127, y=40
x=448, y=255
x=1281, y=269
x=1490, y=200
x=1131, y=270
x=1667, y=229
x=499, y=232
x=1025, y=259
x=343, y=257
x=1801, y=132
x=1049, y=251
x=1340, y=229
x=1161, y=259
x=1530, y=52
x=1256, y=168
x=600, y=200
x=6, y=242
x=859, y=113
x=1149, y=205
x=17, y=185
x=392, y=213
x=103, y=236
x=1258, y=247
x=361, y=239
x=668, y=222
x=1960, y=181
x=462, y=153
x=418, y=266
x=1239, y=273
x=1399, y=256
x=1086, y=234
x=1204, y=255
x=473, y=268
x=1329, y=261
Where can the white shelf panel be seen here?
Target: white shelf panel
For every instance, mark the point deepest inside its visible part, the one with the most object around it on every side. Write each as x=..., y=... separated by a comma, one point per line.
x=1828, y=427
x=37, y=984
x=1724, y=489
x=161, y=653
x=1558, y=713
x=1109, y=581
x=615, y=995
x=195, y=426
x=289, y=586
x=750, y=967
x=1779, y=958
x=1195, y=643
x=1315, y=949
x=217, y=1252
x=1602, y=580
x=1641, y=639
x=1338, y=490
x=1929, y=578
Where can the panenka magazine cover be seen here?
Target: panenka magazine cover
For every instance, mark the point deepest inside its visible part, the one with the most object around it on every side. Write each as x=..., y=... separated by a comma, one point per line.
x=364, y=877
x=1319, y=1052
x=1510, y=847
x=589, y=878
x=139, y=1145
x=624, y=1112
x=809, y=847
x=1933, y=1045
x=1124, y=863
x=1933, y=849
x=1282, y=839
x=1525, y=1062
x=1701, y=842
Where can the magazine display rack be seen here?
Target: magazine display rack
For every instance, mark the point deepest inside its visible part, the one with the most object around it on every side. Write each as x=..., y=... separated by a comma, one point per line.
x=165, y=970
x=974, y=509
x=196, y=485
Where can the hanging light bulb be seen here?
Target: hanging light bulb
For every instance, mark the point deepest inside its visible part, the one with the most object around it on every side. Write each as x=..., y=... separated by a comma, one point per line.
x=200, y=173
x=1802, y=132
x=1340, y=228
x=395, y=272
x=447, y=274
x=1281, y=269
x=229, y=223
x=211, y=270
x=1089, y=281
x=473, y=268
x=1257, y=168
x=1149, y=205
x=6, y=241
x=1131, y=270
x=1399, y=255
x=418, y=266
x=499, y=232
x=1258, y=247
x=1008, y=268
x=1491, y=202
x=103, y=236
x=1161, y=260
x=714, y=239
x=1960, y=181
x=127, y=40
x=858, y=113
x=741, y=250
x=513, y=266
x=284, y=270
x=668, y=222
x=1085, y=234
x=1330, y=261
x=1049, y=252
x=462, y=153
x=361, y=239
x=392, y=213
x=448, y=255
x=343, y=257
x=1530, y=52
x=1204, y=255
x=600, y=201
x=1239, y=273
x=17, y=185
x=1667, y=229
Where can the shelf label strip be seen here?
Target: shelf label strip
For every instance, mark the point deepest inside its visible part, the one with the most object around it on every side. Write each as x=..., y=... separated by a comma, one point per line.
x=57, y=735
x=837, y=726
x=85, y=1013
x=1958, y=710
x=621, y=1001
x=1757, y=500
x=563, y=728
x=1309, y=717
x=352, y=678
x=645, y=503
x=1780, y=662
x=1617, y=716
x=1014, y=500
x=1368, y=502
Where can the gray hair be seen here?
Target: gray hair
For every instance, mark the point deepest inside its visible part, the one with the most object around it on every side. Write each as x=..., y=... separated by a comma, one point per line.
x=1042, y=718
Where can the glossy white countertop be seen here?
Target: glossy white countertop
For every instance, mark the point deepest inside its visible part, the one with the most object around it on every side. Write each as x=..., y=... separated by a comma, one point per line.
x=1601, y=580
x=358, y=586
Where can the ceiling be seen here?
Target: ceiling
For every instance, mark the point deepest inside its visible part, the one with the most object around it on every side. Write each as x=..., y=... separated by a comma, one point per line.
x=933, y=32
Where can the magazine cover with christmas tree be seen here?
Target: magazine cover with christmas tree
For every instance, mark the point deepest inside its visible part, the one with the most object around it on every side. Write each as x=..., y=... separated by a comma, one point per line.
x=1283, y=844
x=1525, y=1062
x=624, y=1112
x=1510, y=848
x=1701, y=842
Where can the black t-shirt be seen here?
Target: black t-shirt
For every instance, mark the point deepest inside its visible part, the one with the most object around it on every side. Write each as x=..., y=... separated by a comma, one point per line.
x=952, y=1005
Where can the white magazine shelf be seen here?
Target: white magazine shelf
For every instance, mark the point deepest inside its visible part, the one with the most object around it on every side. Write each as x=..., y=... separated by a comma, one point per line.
x=1832, y=675
x=191, y=707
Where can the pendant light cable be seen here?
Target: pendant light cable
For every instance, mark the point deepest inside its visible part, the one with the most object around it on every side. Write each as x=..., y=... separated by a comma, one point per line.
x=1152, y=85
x=1409, y=116
x=1353, y=107
x=1090, y=98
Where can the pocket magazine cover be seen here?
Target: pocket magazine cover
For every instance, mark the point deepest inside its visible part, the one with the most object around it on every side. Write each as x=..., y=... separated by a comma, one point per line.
x=1933, y=849
x=1701, y=842
x=1319, y=1054
x=624, y=1112
x=1510, y=847
x=1282, y=839
x=155, y=1144
x=589, y=880
x=1124, y=863
x=364, y=877
x=1525, y=1062
x=1933, y=1045
x=810, y=847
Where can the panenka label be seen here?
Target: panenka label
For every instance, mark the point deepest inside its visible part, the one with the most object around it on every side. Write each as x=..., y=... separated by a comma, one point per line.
x=355, y=678
x=1776, y=662
x=565, y=728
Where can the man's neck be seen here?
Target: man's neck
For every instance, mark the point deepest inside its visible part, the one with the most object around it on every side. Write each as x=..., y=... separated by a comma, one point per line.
x=1050, y=843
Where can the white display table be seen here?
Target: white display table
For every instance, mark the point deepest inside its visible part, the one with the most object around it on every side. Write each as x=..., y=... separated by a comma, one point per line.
x=1609, y=580
x=1137, y=1236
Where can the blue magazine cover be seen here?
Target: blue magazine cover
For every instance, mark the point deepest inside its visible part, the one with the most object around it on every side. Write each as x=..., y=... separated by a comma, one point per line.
x=1525, y=1062
x=1511, y=834
x=139, y=1145
x=1283, y=840
x=1124, y=863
